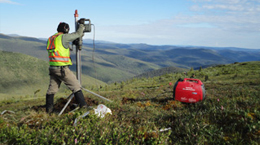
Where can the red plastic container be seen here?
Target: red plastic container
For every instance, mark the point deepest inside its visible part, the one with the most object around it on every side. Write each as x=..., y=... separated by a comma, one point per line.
x=189, y=90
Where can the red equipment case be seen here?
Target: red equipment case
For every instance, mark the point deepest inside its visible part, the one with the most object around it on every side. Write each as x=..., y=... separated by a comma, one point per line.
x=189, y=90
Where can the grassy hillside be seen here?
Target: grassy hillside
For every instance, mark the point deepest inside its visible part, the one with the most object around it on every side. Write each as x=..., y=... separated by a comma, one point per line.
x=117, y=62
x=26, y=46
x=23, y=75
x=230, y=114
x=240, y=55
x=196, y=57
x=183, y=56
x=107, y=68
x=162, y=71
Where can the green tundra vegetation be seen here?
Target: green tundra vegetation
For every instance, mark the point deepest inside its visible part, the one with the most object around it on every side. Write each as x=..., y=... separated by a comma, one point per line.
x=142, y=107
x=24, y=75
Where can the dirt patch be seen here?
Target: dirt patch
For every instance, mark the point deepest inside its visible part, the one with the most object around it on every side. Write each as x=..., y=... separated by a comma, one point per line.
x=155, y=100
x=128, y=100
x=61, y=102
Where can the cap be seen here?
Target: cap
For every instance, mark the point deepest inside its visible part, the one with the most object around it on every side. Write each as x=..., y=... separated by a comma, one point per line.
x=63, y=27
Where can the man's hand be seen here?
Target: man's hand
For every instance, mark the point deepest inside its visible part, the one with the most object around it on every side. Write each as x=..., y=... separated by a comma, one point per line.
x=76, y=42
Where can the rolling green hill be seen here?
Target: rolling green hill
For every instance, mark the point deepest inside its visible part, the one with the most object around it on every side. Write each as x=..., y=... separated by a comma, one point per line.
x=144, y=112
x=27, y=46
x=110, y=66
x=116, y=62
x=162, y=71
x=23, y=74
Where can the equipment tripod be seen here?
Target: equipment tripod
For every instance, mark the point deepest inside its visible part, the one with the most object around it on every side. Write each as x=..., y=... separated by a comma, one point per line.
x=78, y=61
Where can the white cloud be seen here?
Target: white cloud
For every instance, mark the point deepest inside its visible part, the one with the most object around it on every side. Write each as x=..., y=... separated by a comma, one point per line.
x=214, y=23
x=9, y=2
x=228, y=5
x=230, y=15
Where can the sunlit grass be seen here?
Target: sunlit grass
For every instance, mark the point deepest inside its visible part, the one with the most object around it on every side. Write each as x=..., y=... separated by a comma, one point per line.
x=141, y=107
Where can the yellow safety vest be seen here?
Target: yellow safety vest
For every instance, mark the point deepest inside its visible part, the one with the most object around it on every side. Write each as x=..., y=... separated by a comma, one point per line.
x=58, y=54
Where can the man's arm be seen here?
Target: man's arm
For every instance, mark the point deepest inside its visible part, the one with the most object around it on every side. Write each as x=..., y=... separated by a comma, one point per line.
x=67, y=38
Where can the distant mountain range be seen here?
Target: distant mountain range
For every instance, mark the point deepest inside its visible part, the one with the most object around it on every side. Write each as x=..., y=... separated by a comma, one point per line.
x=115, y=61
x=184, y=56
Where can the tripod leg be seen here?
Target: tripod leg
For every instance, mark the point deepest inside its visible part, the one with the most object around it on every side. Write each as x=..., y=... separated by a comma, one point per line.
x=70, y=98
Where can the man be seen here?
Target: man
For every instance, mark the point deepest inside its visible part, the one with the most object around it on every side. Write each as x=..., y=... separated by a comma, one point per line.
x=59, y=60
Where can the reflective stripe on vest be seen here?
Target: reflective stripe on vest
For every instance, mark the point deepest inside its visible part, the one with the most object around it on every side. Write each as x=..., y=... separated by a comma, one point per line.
x=58, y=55
x=51, y=41
x=59, y=59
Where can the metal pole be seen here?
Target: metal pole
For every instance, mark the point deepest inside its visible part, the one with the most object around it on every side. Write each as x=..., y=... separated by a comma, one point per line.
x=77, y=63
x=78, y=58
x=70, y=98
x=96, y=94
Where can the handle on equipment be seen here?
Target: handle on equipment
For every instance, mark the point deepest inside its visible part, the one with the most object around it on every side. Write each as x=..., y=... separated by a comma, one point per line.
x=88, y=21
x=194, y=80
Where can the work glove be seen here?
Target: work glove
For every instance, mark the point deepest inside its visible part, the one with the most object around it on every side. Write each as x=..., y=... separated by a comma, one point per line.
x=76, y=42
x=81, y=21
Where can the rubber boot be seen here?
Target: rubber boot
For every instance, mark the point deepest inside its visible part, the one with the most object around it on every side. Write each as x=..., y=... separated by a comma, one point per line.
x=49, y=103
x=80, y=99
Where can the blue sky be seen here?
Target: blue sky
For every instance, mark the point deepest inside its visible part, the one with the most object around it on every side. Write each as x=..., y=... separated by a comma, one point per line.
x=216, y=23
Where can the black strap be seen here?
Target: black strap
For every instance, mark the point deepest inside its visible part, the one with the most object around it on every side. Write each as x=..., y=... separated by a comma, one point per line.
x=62, y=71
